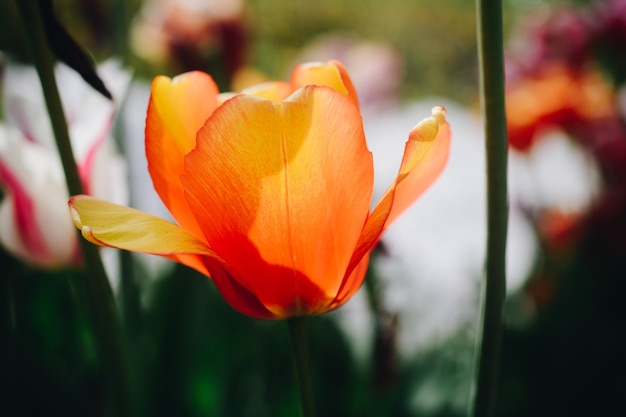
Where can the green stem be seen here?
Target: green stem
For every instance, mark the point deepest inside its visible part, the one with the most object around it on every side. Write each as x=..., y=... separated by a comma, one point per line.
x=491, y=64
x=106, y=323
x=299, y=345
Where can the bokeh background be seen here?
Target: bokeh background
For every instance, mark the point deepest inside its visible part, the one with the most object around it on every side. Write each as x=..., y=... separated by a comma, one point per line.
x=404, y=346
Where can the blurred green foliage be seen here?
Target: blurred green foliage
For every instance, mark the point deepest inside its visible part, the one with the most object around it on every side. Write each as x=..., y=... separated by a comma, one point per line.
x=190, y=355
x=435, y=39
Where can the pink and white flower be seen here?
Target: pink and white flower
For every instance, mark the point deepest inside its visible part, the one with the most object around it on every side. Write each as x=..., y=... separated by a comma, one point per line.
x=34, y=224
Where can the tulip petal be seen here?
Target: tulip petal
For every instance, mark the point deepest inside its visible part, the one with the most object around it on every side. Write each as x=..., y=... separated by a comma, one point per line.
x=121, y=227
x=238, y=296
x=351, y=283
x=331, y=74
x=277, y=187
x=178, y=108
x=425, y=156
x=275, y=91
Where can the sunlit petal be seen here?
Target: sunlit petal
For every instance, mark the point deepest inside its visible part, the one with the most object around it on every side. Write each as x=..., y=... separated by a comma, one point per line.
x=178, y=108
x=425, y=156
x=121, y=227
x=331, y=74
x=352, y=282
x=278, y=187
x=236, y=295
x=275, y=91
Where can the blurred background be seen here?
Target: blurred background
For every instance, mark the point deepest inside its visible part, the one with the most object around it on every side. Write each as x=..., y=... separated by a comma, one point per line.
x=404, y=346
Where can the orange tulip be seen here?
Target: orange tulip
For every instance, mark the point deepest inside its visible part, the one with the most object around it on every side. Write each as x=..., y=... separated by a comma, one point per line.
x=270, y=188
x=557, y=97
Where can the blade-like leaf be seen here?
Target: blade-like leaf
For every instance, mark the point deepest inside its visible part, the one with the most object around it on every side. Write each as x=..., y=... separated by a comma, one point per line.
x=67, y=50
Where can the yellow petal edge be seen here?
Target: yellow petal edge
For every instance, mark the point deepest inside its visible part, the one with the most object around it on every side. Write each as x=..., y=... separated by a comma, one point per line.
x=108, y=224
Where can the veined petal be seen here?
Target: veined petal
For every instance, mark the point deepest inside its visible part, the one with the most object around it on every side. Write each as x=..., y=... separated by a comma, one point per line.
x=121, y=227
x=425, y=156
x=278, y=186
x=178, y=108
x=331, y=74
x=238, y=296
x=351, y=283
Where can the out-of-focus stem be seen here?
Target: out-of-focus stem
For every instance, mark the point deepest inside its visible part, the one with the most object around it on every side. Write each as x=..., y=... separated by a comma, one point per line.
x=491, y=64
x=101, y=302
x=299, y=344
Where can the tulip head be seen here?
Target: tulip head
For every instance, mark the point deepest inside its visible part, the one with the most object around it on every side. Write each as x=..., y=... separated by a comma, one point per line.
x=270, y=189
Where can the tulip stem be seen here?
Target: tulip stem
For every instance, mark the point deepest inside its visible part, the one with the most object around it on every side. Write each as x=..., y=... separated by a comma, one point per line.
x=299, y=345
x=99, y=293
x=491, y=65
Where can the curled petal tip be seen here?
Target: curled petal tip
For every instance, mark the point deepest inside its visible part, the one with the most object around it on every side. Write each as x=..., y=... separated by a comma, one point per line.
x=78, y=221
x=84, y=229
x=75, y=216
x=439, y=113
x=428, y=129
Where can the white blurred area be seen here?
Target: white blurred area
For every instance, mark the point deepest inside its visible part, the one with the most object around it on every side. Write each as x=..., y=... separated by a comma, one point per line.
x=556, y=173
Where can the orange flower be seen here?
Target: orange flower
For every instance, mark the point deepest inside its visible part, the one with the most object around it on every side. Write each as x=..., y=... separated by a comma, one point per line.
x=271, y=189
x=558, y=97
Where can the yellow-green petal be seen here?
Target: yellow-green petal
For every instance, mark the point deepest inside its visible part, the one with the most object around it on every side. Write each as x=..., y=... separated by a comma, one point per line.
x=121, y=227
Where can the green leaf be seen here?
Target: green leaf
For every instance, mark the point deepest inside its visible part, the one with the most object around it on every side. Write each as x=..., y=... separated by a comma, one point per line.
x=67, y=50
